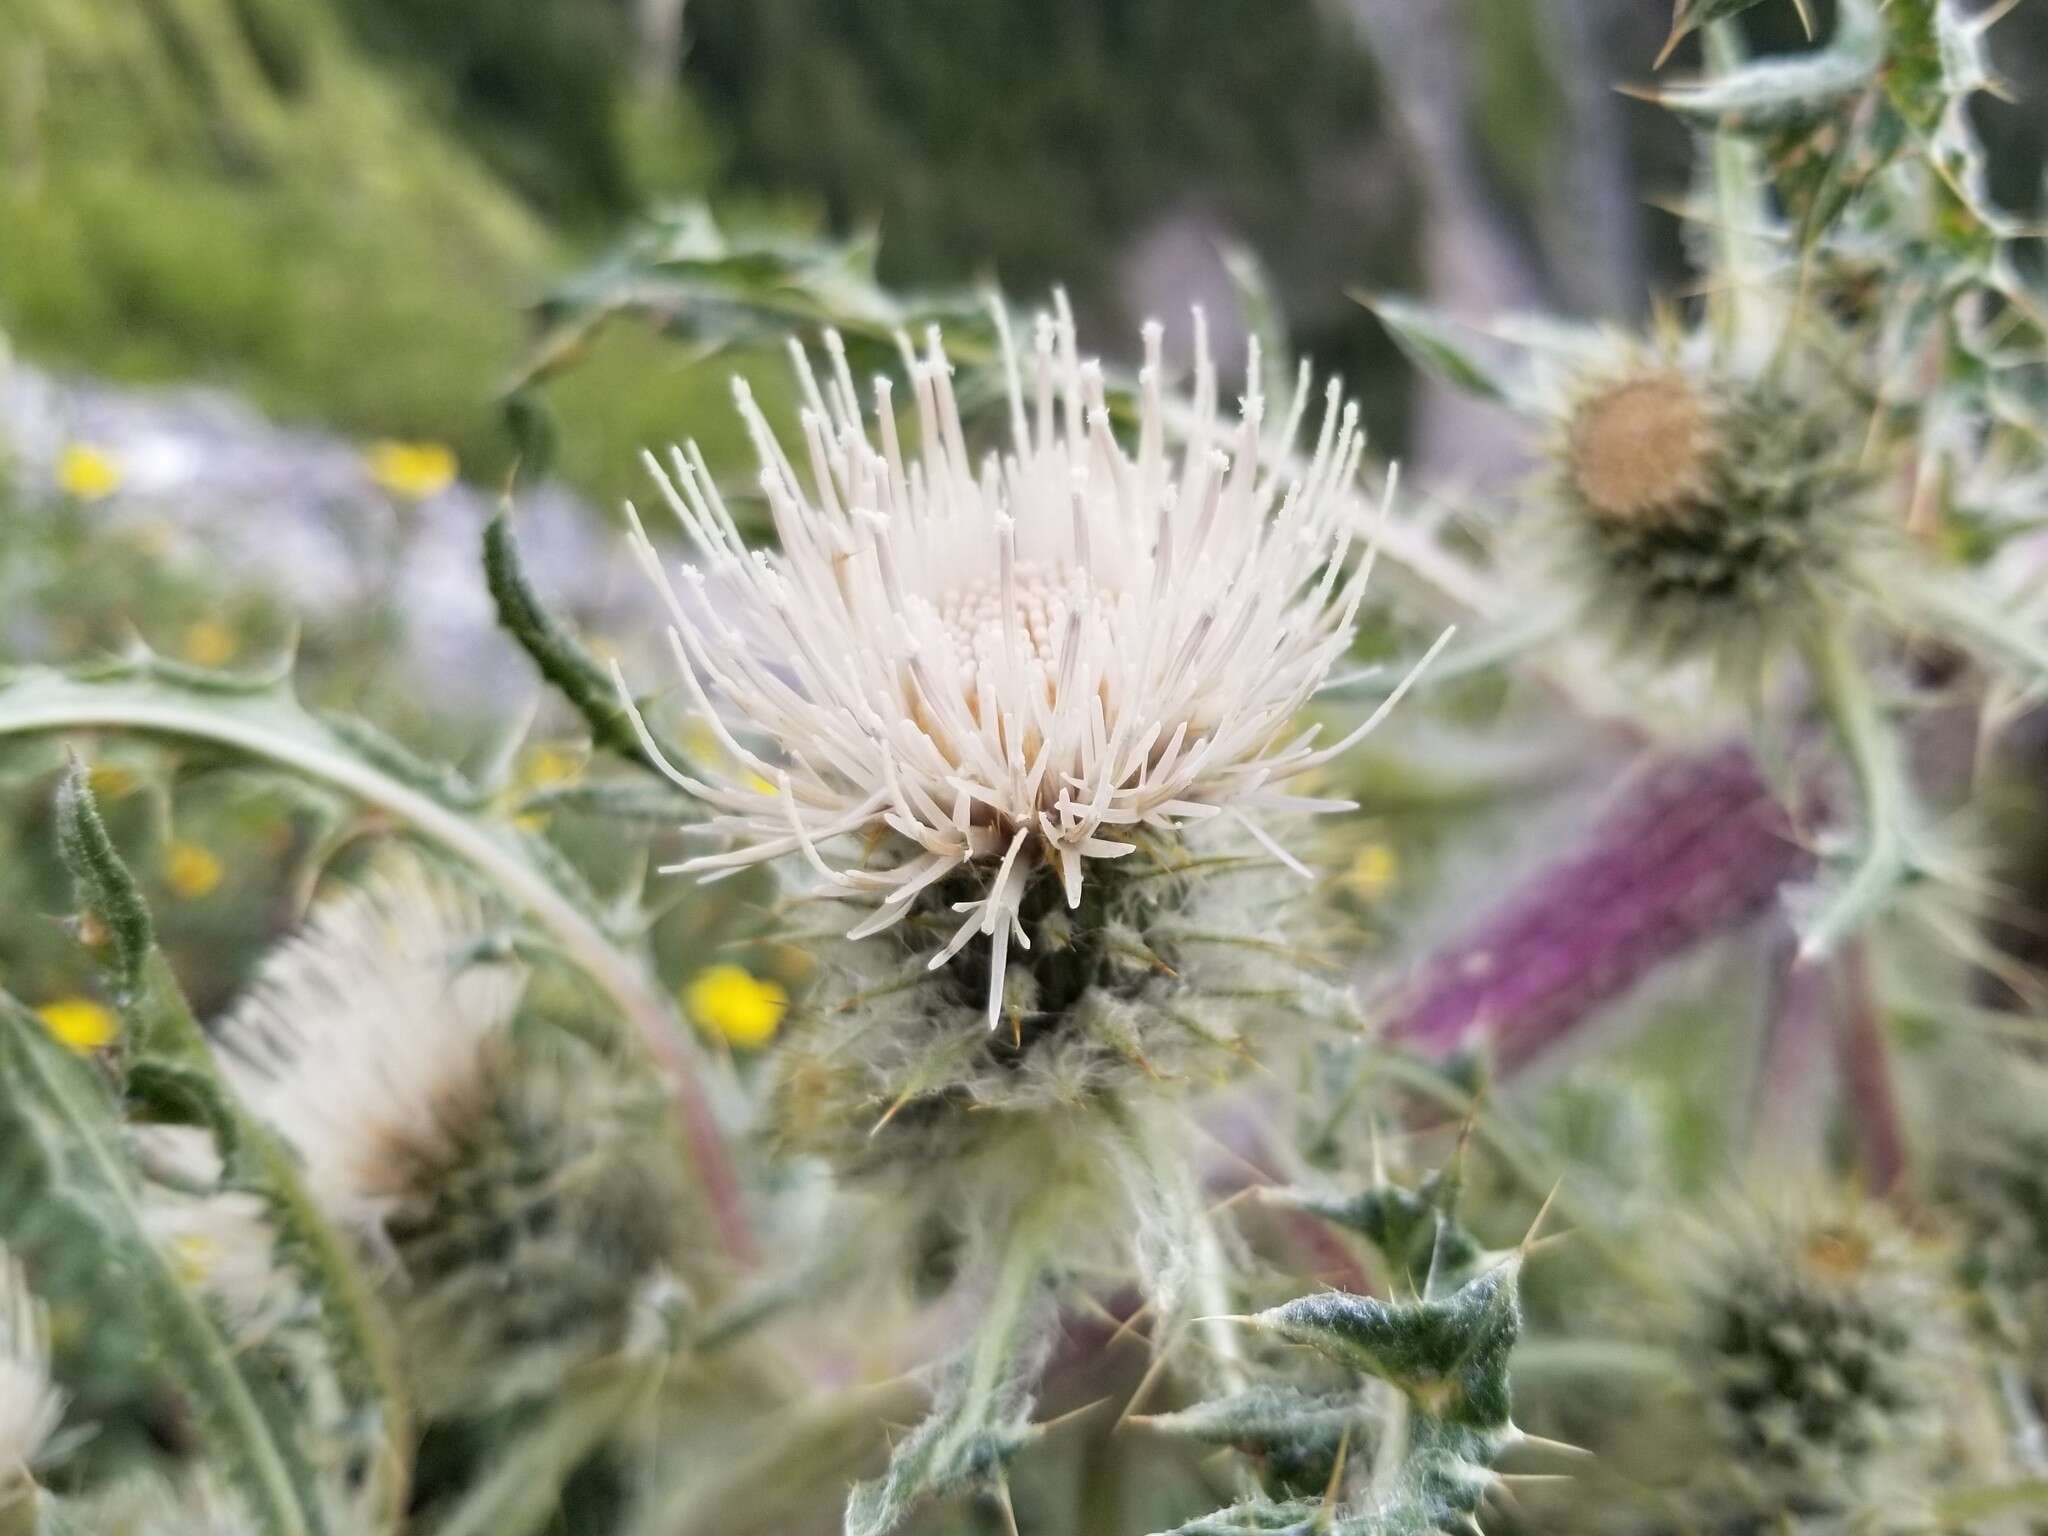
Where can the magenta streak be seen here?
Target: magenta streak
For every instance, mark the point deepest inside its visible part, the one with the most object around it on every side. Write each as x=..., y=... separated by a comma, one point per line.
x=1695, y=848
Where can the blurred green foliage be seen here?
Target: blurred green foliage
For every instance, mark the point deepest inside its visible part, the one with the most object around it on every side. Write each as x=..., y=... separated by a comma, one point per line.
x=1107, y=115
x=240, y=191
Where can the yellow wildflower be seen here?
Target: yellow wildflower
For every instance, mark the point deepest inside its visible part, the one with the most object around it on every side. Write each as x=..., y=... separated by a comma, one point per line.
x=86, y=473
x=110, y=781
x=1374, y=870
x=208, y=643
x=550, y=765
x=412, y=471
x=192, y=871
x=738, y=1007
x=80, y=1024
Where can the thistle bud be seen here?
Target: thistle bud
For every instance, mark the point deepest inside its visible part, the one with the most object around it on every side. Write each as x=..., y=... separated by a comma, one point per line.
x=1710, y=514
x=1818, y=1342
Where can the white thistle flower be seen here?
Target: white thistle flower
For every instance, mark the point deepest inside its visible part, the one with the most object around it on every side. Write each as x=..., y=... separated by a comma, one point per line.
x=364, y=1039
x=29, y=1406
x=1017, y=667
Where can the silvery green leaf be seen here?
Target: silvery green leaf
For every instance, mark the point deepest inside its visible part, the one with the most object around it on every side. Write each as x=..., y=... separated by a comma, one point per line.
x=1294, y=1517
x=1412, y=1229
x=1688, y=16
x=1786, y=91
x=1441, y=349
x=1500, y=359
x=1452, y=1352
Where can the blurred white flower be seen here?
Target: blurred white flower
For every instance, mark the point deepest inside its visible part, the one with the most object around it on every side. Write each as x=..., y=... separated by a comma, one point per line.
x=364, y=1040
x=1018, y=667
x=29, y=1406
x=218, y=1243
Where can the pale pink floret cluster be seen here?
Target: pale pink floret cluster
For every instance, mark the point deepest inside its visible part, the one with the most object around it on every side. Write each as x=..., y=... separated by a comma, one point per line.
x=1020, y=662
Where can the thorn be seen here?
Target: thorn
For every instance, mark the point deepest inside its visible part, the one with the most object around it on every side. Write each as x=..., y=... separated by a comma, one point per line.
x=1121, y=1328
x=1543, y=1443
x=1047, y=1426
x=1528, y=1242
x=1337, y=1472
x=1679, y=31
x=1243, y=1193
x=1992, y=15
x=902, y=1099
x=1649, y=93
x=1503, y=1479
x=1145, y=1384
x=1806, y=16
x=1003, y=1503
x=1465, y=1130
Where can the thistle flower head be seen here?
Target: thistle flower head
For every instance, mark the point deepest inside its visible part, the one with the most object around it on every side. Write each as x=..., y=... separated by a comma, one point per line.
x=365, y=1039
x=29, y=1405
x=1820, y=1339
x=1031, y=665
x=1706, y=511
x=511, y=1182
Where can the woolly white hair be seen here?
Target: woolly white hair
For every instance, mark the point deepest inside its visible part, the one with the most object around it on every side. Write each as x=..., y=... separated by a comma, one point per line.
x=1018, y=667
x=29, y=1406
x=364, y=1039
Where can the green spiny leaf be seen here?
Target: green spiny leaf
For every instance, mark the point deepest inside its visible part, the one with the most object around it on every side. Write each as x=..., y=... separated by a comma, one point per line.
x=173, y=1075
x=555, y=651
x=55, y=1108
x=107, y=891
x=981, y=1416
x=1778, y=93
x=1448, y=1355
x=1261, y=1517
x=1688, y=16
x=1440, y=348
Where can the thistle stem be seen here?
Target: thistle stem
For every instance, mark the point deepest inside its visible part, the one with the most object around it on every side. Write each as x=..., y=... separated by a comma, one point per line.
x=1981, y=626
x=1875, y=762
x=1793, y=1068
x=1866, y=1067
